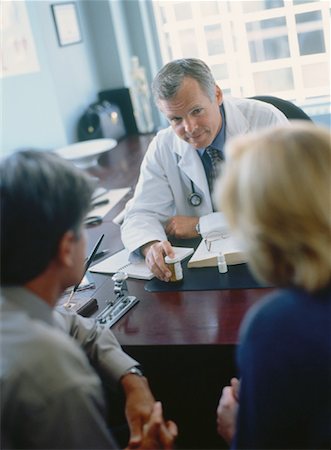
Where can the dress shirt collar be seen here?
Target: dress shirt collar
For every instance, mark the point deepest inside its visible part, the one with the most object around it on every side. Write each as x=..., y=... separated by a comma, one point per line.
x=219, y=140
x=22, y=299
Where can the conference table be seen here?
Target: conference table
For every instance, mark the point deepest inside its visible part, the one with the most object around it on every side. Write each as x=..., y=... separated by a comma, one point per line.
x=184, y=340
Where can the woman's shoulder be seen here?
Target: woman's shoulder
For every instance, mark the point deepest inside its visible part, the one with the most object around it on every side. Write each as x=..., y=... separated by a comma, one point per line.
x=289, y=307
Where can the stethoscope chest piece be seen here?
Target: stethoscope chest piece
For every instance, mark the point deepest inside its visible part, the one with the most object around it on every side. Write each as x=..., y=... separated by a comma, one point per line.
x=194, y=198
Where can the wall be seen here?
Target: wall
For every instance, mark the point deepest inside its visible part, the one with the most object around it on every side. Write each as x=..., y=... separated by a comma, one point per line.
x=30, y=110
x=140, y=22
x=71, y=69
x=132, y=33
x=41, y=109
x=108, y=49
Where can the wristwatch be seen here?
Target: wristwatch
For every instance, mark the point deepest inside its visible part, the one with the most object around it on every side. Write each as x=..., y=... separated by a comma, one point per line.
x=197, y=228
x=134, y=371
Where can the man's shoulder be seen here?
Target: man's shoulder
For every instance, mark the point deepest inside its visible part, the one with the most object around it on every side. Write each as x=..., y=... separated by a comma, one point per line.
x=43, y=374
x=166, y=136
x=253, y=110
x=38, y=351
x=247, y=102
x=166, y=141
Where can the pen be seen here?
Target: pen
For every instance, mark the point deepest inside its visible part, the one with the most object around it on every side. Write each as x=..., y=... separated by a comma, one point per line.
x=87, y=265
x=92, y=220
x=101, y=254
x=105, y=201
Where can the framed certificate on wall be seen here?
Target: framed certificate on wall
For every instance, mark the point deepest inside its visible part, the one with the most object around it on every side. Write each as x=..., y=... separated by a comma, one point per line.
x=66, y=23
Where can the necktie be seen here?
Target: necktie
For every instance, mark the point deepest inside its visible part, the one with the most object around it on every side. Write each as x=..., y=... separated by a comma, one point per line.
x=215, y=159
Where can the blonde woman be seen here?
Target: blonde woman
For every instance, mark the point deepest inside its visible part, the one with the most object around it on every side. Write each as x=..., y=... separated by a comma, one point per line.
x=276, y=194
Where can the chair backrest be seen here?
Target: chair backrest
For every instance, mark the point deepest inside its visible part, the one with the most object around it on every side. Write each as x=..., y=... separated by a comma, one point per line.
x=290, y=110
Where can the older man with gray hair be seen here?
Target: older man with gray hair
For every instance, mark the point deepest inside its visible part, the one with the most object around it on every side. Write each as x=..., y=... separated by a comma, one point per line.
x=173, y=196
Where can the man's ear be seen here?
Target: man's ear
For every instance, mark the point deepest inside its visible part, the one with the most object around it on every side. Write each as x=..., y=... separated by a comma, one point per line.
x=219, y=95
x=65, y=254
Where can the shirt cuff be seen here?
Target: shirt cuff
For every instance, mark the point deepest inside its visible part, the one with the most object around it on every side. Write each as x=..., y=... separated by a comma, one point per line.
x=213, y=222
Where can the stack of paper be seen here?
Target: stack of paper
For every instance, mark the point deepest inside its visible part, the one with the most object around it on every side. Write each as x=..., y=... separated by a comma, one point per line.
x=112, y=197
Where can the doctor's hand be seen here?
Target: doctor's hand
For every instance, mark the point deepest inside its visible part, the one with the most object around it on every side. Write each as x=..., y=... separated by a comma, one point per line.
x=182, y=227
x=154, y=253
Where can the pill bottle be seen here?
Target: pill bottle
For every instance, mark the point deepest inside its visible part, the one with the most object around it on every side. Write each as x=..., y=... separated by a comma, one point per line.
x=221, y=263
x=175, y=267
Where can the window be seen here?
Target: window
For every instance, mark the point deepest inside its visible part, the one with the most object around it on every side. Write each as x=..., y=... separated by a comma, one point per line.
x=214, y=39
x=187, y=42
x=271, y=81
x=252, y=6
x=268, y=39
x=310, y=33
x=276, y=47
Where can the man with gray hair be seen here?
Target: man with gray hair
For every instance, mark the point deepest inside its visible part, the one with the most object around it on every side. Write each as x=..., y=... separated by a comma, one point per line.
x=173, y=196
x=53, y=362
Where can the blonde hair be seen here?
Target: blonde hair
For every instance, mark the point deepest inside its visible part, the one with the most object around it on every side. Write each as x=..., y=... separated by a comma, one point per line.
x=276, y=193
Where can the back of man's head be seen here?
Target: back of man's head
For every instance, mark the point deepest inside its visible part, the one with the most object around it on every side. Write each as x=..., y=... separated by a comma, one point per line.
x=42, y=197
x=169, y=79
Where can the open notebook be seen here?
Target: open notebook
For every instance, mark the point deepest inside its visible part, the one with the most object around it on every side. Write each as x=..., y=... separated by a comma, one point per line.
x=229, y=247
x=119, y=262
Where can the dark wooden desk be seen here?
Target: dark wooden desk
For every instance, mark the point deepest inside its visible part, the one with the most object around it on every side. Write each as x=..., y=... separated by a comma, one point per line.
x=184, y=340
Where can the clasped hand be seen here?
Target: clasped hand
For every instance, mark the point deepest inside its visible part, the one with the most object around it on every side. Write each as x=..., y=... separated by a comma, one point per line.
x=227, y=410
x=156, y=434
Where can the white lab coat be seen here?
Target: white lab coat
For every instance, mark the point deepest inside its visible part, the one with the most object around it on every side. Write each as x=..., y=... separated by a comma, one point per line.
x=169, y=166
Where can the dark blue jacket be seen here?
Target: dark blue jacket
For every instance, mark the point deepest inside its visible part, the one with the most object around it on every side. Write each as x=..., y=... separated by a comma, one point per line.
x=284, y=361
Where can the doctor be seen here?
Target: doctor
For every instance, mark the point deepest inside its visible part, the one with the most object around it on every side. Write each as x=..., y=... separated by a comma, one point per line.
x=173, y=196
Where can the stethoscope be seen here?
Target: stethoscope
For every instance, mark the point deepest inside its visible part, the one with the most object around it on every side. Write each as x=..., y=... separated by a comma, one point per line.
x=194, y=198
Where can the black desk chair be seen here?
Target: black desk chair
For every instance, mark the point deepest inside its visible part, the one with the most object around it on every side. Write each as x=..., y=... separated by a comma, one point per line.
x=290, y=110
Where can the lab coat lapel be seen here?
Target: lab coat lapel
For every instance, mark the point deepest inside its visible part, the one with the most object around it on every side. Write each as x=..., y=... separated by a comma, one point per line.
x=190, y=163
